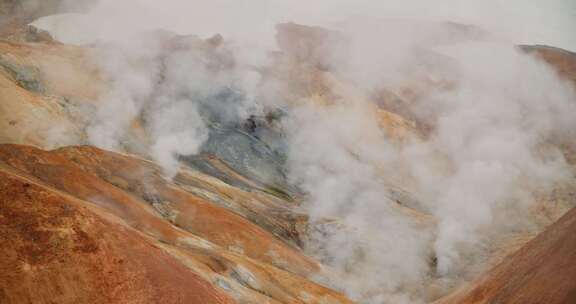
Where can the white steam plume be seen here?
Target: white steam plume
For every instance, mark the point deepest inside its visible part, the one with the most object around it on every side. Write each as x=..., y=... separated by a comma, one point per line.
x=477, y=173
x=157, y=81
x=491, y=111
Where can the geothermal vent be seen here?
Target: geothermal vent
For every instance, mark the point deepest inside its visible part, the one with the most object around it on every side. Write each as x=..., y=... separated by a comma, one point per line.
x=302, y=152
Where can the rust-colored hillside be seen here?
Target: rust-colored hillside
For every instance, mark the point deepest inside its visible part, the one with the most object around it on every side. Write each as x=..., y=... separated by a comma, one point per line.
x=90, y=226
x=80, y=224
x=542, y=271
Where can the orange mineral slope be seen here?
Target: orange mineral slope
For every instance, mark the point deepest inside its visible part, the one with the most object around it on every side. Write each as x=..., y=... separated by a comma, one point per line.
x=541, y=272
x=59, y=250
x=90, y=226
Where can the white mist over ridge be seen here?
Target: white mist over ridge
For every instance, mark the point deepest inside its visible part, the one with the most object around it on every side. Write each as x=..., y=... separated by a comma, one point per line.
x=478, y=174
x=521, y=21
x=491, y=109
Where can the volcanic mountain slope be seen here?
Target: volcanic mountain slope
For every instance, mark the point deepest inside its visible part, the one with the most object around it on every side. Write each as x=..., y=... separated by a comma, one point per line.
x=63, y=251
x=44, y=83
x=563, y=61
x=90, y=226
x=542, y=271
x=85, y=225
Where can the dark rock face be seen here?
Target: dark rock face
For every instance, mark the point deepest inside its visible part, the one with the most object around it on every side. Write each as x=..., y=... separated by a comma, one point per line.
x=249, y=155
x=254, y=148
x=246, y=144
x=27, y=77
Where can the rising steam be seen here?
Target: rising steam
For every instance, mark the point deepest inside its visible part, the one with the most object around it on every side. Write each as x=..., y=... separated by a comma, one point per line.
x=398, y=219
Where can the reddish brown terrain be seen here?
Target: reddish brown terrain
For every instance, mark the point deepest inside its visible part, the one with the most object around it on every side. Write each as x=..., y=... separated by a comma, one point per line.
x=79, y=224
x=563, y=61
x=90, y=226
x=542, y=271
x=62, y=250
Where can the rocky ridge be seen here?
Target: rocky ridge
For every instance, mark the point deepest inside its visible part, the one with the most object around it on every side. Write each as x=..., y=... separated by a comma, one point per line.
x=93, y=226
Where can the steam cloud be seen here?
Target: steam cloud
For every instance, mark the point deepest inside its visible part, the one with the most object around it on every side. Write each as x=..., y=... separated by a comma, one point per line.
x=490, y=113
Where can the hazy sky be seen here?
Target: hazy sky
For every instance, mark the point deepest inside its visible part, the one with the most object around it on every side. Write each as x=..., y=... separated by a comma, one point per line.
x=524, y=21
